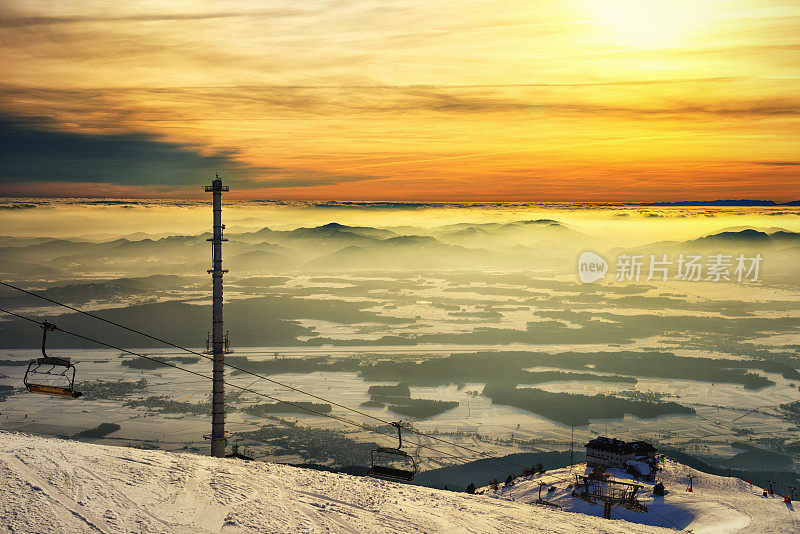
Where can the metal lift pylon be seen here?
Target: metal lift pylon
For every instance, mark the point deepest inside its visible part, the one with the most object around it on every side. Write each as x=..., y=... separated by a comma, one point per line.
x=218, y=436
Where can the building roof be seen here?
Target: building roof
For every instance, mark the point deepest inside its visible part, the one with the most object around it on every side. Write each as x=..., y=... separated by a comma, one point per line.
x=620, y=447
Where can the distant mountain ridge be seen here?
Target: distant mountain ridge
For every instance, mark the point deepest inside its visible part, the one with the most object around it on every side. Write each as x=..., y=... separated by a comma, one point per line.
x=751, y=236
x=730, y=202
x=506, y=245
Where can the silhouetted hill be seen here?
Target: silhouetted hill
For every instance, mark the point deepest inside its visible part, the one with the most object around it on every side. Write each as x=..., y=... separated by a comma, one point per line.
x=750, y=236
x=408, y=252
x=334, y=228
x=730, y=202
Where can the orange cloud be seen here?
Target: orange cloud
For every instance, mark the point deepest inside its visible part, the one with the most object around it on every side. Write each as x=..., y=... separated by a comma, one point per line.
x=506, y=101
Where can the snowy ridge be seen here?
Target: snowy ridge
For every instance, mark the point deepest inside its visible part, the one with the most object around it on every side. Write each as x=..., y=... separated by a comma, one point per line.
x=52, y=485
x=716, y=504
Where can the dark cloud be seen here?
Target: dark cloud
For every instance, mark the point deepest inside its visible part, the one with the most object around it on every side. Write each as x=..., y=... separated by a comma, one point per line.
x=372, y=100
x=671, y=81
x=18, y=206
x=778, y=163
x=34, y=150
x=289, y=102
x=24, y=22
x=271, y=103
x=740, y=108
x=303, y=178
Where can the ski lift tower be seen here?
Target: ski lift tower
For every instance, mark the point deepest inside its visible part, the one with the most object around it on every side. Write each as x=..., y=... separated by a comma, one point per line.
x=218, y=436
x=609, y=493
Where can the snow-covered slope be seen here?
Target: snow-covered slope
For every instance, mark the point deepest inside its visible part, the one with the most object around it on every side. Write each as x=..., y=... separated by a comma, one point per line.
x=51, y=485
x=716, y=504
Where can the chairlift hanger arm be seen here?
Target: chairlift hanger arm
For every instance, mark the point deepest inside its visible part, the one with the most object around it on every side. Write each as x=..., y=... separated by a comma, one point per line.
x=45, y=328
x=399, y=425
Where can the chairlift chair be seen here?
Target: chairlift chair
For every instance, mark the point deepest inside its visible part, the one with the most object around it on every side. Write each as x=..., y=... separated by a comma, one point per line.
x=391, y=463
x=49, y=375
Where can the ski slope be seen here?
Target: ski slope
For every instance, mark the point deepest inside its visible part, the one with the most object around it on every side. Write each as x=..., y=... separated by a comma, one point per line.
x=716, y=504
x=51, y=485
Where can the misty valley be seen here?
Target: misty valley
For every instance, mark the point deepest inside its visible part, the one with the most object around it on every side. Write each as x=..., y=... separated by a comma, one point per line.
x=478, y=331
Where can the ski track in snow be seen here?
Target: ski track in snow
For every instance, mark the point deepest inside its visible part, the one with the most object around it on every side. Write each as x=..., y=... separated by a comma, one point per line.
x=51, y=485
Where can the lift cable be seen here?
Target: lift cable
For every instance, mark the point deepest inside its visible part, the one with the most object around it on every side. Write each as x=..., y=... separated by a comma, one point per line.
x=727, y=424
x=243, y=388
x=262, y=377
x=751, y=411
x=289, y=403
x=249, y=390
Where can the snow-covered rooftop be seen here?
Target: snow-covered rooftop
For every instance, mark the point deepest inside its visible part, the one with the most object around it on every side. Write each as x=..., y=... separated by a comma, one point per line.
x=620, y=447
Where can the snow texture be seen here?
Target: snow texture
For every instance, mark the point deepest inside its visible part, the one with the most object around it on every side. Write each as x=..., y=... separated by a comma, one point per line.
x=716, y=504
x=51, y=485
x=641, y=467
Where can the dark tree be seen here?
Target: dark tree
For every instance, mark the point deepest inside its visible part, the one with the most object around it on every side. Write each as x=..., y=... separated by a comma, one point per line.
x=471, y=488
x=658, y=489
x=509, y=480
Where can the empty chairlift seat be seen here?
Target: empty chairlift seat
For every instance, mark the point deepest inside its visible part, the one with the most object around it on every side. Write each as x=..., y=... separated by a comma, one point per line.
x=394, y=464
x=49, y=375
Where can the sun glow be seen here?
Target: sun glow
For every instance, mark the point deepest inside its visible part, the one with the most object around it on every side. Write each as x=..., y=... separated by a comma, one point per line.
x=648, y=23
x=592, y=100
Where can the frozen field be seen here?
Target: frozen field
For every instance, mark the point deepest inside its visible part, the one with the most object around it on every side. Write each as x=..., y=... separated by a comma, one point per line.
x=519, y=429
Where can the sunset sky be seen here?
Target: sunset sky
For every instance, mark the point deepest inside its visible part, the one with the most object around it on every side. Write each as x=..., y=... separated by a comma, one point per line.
x=572, y=100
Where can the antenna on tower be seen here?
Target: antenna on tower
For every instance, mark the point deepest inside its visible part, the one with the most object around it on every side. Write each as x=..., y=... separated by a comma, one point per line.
x=571, y=446
x=226, y=344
